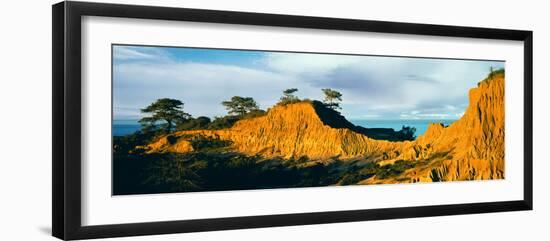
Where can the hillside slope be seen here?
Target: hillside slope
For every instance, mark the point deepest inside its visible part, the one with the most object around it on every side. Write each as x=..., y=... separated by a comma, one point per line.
x=470, y=148
x=293, y=130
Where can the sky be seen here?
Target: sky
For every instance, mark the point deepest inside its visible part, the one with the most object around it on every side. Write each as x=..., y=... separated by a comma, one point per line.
x=373, y=87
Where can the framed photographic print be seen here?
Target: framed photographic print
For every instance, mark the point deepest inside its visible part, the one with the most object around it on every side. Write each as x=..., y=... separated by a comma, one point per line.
x=170, y=120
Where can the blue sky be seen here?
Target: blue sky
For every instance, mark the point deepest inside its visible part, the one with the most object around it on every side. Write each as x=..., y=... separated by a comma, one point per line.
x=373, y=87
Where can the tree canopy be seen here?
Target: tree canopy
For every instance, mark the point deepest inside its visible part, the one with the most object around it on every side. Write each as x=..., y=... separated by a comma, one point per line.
x=332, y=98
x=165, y=112
x=289, y=97
x=198, y=123
x=240, y=105
x=407, y=133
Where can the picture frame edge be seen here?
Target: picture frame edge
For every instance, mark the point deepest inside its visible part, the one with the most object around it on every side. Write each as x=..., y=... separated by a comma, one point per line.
x=66, y=86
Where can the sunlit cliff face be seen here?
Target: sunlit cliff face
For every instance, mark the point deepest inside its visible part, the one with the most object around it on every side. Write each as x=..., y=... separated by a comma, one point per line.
x=472, y=148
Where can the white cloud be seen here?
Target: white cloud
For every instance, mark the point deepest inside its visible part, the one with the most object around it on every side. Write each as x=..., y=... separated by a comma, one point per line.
x=202, y=87
x=372, y=87
x=127, y=53
x=318, y=64
x=388, y=85
x=371, y=116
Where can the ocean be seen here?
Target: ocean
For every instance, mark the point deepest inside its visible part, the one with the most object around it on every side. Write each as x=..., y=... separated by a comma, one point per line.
x=125, y=127
x=420, y=125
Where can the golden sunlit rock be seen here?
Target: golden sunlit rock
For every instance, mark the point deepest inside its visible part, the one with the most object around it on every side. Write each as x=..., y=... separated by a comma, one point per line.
x=472, y=148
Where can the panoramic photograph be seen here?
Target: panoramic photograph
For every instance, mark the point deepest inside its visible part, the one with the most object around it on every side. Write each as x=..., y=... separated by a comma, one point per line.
x=201, y=119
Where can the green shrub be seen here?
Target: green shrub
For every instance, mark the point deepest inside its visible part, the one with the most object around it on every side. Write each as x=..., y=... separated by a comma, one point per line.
x=203, y=143
x=407, y=133
x=201, y=122
x=223, y=122
x=229, y=120
x=394, y=169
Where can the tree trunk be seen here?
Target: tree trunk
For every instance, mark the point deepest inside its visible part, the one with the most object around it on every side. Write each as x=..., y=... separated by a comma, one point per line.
x=169, y=127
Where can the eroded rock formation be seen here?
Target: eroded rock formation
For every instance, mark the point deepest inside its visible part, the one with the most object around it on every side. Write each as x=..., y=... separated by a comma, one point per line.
x=470, y=148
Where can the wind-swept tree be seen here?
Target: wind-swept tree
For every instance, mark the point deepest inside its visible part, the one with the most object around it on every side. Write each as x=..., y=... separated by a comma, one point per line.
x=289, y=97
x=240, y=105
x=407, y=133
x=332, y=98
x=164, y=112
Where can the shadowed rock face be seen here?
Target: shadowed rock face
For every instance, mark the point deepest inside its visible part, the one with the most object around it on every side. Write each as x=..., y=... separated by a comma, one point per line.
x=471, y=148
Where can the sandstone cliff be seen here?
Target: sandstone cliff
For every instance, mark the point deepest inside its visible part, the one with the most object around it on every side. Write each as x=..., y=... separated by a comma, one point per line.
x=292, y=130
x=471, y=148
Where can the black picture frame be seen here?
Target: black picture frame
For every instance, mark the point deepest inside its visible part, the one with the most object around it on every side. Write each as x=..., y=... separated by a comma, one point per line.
x=66, y=76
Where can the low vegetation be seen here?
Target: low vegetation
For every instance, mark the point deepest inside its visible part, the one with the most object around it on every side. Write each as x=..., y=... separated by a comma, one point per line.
x=214, y=167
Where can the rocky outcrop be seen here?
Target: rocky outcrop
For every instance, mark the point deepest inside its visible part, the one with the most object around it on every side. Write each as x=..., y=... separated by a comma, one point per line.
x=293, y=130
x=471, y=148
x=169, y=143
